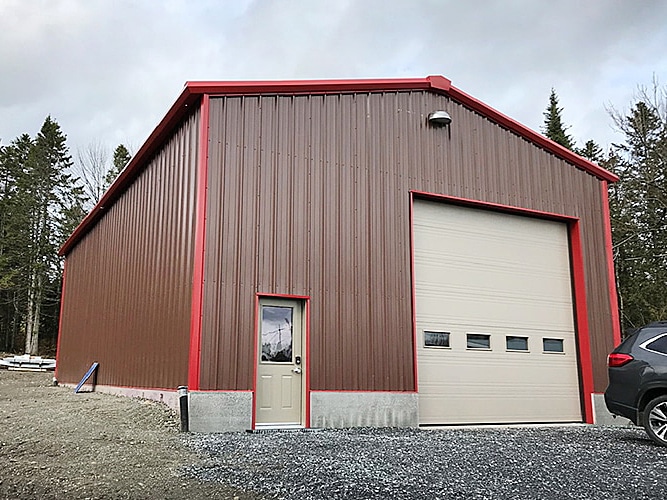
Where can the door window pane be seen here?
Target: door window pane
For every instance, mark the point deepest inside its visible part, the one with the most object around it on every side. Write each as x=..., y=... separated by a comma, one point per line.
x=277, y=334
x=553, y=345
x=478, y=341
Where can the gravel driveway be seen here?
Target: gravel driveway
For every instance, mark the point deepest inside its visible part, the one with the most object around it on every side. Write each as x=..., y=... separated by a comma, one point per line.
x=586, y=462
x=58, y=445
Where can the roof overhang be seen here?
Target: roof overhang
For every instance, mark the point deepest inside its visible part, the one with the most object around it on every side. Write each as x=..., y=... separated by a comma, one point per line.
x=193, y=91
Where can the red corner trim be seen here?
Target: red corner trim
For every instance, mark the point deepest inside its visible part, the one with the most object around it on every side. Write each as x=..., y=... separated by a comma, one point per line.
x=194, y=370
x=611, y=274
x=581, y=313
x=60, y=319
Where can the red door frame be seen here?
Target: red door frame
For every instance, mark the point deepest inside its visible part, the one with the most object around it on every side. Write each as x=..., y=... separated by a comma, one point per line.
x=305, y=300
x=578, y=284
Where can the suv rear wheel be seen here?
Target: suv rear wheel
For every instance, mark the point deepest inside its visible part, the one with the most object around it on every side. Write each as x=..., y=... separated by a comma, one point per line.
x=655, y=420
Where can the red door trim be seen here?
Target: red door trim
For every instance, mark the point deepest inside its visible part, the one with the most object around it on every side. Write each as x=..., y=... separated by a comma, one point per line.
x=305, y=299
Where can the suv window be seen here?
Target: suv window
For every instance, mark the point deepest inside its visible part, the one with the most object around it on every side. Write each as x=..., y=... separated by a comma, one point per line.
x=657, y=344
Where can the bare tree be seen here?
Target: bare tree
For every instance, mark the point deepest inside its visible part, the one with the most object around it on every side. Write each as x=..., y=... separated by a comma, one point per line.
x=92, y=164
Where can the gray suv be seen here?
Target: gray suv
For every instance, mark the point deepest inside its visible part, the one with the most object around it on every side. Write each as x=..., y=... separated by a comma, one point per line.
x=638, y=380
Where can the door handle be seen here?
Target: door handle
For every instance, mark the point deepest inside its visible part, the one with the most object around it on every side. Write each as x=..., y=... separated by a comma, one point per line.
x=296, y=369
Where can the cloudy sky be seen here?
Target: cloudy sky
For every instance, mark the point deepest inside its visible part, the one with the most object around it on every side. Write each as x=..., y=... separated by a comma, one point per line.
x=108, y=71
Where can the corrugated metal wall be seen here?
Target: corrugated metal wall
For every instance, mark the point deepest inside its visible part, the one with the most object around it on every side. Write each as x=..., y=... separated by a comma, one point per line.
x=130, y=279
x=309, y=195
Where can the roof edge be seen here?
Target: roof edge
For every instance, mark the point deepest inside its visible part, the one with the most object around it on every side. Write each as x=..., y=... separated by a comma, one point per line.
x=193, y=91
x=181, y=107
x=529, y=134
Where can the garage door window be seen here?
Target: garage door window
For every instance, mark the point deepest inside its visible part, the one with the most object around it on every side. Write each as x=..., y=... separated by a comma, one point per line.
x=436, y=339
x=516, y=343
x=478, y=341
x=553, y=345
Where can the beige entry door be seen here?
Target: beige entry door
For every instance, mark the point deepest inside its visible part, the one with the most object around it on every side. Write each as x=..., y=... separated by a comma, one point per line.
x=280, y=373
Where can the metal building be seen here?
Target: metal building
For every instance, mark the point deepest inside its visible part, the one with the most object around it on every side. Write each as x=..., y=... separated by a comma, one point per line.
x=331, y=253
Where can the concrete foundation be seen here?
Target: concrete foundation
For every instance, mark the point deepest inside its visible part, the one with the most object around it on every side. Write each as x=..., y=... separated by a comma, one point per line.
x=364, y=409
x=170, y=398
x=602, y=416
x=220, y=411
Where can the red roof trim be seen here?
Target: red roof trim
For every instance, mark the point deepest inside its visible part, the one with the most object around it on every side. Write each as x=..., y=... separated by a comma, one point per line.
x=531, y=135
x=194, y=90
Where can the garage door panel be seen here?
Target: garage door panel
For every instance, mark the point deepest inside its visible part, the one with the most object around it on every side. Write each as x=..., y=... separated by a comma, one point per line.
x=499, y=275
x=491, y=311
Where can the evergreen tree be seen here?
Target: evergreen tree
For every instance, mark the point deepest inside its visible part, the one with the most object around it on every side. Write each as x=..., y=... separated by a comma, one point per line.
x=121, y=157
x=40, y=204
x=553, y=126
x=591, y=151
x=638, y=204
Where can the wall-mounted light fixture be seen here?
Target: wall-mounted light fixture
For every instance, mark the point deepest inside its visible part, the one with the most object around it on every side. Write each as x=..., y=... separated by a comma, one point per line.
x=439, y=118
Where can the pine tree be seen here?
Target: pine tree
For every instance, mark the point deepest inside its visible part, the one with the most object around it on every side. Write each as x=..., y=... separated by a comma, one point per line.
x=121, y=157
x=591, y=151
x=638, y=204
x=553, y=126
x=54, y=199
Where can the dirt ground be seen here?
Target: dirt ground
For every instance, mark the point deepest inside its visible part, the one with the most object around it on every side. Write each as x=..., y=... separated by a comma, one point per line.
x=57, y=444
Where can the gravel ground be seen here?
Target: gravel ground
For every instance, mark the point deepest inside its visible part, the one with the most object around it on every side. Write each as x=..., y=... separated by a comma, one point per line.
x=58, y=445
x=586, y=462
x=55, y=444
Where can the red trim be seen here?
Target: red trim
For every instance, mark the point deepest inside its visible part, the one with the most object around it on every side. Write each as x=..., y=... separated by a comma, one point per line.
x=255, y=357
x=185, y=102
x=581, y=318
x=611, y=274
x=307, y=361
x=194, y=371
x=415, y=336
x=193, y=91
x=295, y=87
x=223, y=391
x=366, y=392
x=493, y=206
x=306, y=339
x=578, y=281
x=60, y=318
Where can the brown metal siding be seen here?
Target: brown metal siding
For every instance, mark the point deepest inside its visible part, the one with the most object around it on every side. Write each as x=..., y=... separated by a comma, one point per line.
x=309, y=195
x=128, y=288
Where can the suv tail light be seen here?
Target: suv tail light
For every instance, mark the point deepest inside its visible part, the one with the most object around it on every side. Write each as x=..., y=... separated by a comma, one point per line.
x=618, y=359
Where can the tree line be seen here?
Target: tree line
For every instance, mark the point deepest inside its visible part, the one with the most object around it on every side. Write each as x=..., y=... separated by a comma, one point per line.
x=44, y=195
x=637, y=202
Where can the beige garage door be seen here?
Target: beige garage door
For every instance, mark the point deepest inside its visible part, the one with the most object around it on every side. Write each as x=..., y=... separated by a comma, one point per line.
x=495, y=324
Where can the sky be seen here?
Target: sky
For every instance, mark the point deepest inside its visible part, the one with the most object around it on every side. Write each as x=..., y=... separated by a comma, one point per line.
x=108, y=70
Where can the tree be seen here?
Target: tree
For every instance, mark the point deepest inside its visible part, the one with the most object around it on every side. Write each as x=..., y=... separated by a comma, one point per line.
x=592, y=152
x=121, y=157
x=14, y=221
x=93, y=166
x=638, y=205
x=553, y=126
